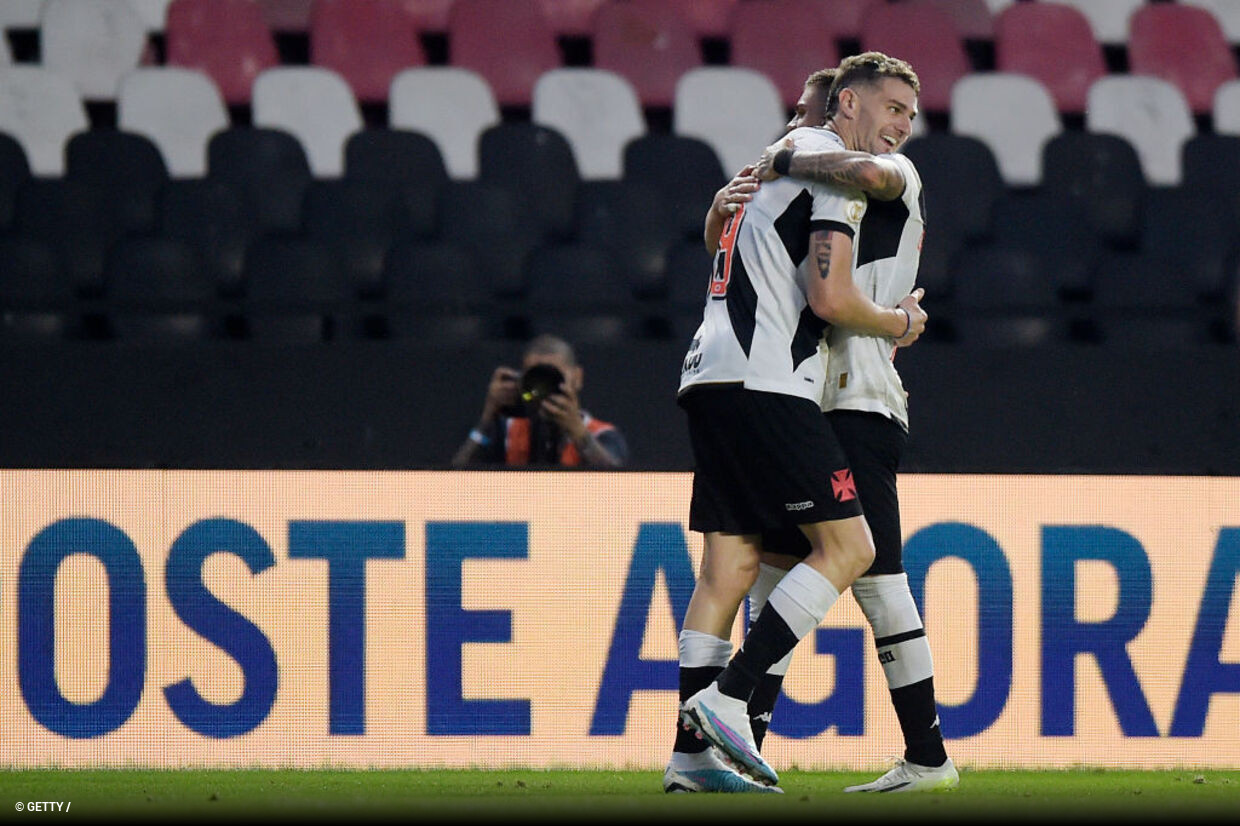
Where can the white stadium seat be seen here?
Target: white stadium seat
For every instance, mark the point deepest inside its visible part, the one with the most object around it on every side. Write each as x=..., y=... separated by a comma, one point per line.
x=737, y=111
x=42, y=110
x=177, y=108
x=1012, y=114
x=596, y=110
x=93, y=43
x=452, y=106
x=315, y=105
x=1150, y=113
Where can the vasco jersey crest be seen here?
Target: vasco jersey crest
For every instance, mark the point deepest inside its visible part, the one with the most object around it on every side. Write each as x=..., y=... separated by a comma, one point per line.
x=861, y=373
x=757, y=327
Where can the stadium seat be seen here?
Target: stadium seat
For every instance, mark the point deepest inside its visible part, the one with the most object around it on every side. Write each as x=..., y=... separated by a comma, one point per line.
x=14, y=172
x=926, y=37
x=972, y=19
x=37, y=297
x=153, y=13
x=1102, y=173
x=213, y=219
x=706, y=18
x=295, y=292
x=597, y=111
x=20, y=14
x=737, y=111
x=1013, y=115
x=475, y=27
x=575, y=292
x=687, y=277
x=452, y=106
x=227, y=39
x=1183, y=45
x=93, y=43
x=570, y=18
x=534, y=163
x=1151, y=113
x=1226, y=12
x=434, y=292
x=1108, y=18
x=632, y=222
x=1004, y=298
x=428, y=15
x=356, y=222
x=686, y=172
x=786, y=40
x=157, y=289
x=127, y=166
x=1227, y=108
x=1054, y=43
x=6, y=57
x=962, y=183
x=1212, y=173
x=179, y=109
x=486, y=219
x=267, y=168
x=407, y=165
x=649, y=43
x=313, y=104
x=41, y=110
x=366, y=41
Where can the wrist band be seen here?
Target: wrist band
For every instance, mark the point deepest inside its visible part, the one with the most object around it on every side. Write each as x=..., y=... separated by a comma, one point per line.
x=908, y=323
x=782, y=160
x=479, y=438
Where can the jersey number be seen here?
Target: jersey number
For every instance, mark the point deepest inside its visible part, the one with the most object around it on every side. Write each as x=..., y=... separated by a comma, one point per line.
x=723, y=258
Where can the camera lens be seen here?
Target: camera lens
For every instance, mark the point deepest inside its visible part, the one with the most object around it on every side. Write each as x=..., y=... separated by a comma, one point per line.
x=540, y=381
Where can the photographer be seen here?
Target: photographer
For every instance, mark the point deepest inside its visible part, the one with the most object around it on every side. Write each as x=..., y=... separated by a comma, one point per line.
x=534, y=417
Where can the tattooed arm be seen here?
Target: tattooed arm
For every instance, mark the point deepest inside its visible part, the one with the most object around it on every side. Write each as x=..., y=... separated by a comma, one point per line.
x=835, y=298
x=874, y=175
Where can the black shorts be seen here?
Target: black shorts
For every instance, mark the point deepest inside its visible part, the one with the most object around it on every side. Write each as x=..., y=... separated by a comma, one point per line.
x=873, y=444
x=763, y=461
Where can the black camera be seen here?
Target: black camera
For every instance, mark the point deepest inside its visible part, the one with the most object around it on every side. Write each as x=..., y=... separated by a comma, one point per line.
x=537, y=383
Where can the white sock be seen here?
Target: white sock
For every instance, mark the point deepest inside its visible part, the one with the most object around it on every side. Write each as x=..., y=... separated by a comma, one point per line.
x=803, y=598
x=899, y=635
x=699, y=649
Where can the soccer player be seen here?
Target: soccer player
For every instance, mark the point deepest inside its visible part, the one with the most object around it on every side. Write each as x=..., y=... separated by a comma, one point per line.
x=765, y=459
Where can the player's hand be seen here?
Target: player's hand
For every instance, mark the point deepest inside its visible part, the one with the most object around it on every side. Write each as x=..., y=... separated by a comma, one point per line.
x=764, y=169
x=736, y=192
x=911, y=304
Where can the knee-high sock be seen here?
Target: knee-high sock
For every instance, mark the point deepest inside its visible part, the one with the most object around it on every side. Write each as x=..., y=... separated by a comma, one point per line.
x=766, y=693
x=794, y=609
x=905, y=656
x=702, y=657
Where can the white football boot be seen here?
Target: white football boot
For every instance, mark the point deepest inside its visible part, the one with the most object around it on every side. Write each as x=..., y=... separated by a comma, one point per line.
x=910, y=777
x=707, y=771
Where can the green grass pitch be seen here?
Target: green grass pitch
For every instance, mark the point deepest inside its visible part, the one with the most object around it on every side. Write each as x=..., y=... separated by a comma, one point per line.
x=589, y=797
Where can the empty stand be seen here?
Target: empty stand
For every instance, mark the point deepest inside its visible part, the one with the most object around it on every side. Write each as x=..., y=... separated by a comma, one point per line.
x=1185, y=46
x=476, y=27
x=632, y=222
x=427, y=15
x=313, y=104
x=1101, y=173
x=535, y=164
x=1226, y=12
x=213, y=219
x=227, y=39
x=597, y=111
x=486, y=220
x=575, y=292
x=434, y=292
x=153, y=13
x=295, y=292
x=126, y=166
x=14, y=172
x=451, y=105
x=267, y=168
x=1013, y=114
x=1054, y=43
x=786, y=40
x=407, y=165
x=737, y=111
x=366, y=41
x=1212, y=173
x=38, y=300
x=1227, y=108
x=93, y=43
x=41, y=110
x=179, y=109
x=357, y=222
x=570, y=18
x=972, y=19
x=1108, y=18
x=1004, y=298
x=685, y=171
x=158, y=289
x=962, y=183
x=649, y=43
x=925, y=36
x=1151, y=113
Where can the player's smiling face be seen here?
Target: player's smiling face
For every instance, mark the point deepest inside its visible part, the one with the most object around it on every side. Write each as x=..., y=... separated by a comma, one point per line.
x=885, y=113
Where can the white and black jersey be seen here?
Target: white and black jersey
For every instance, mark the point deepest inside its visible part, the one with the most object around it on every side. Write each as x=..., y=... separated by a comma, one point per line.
x=861, y=373
x=757, y=327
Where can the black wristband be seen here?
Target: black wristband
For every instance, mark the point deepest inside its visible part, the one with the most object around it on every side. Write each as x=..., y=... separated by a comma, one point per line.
x=782, y=160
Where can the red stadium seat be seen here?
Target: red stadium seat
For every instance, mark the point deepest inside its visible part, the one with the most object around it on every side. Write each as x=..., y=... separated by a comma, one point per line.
x=649, y=43
x=1184, y=45
x=508, y=42
x=227, y=39
x=427, y=15
x=926, y=37
x=366, y=41
x=786, y=40
x=972, y=18
x=571, y=18
x=707, y=18
x=1053, y=43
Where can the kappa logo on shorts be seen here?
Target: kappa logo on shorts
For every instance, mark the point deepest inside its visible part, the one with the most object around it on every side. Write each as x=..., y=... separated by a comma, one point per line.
x=843, y=486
